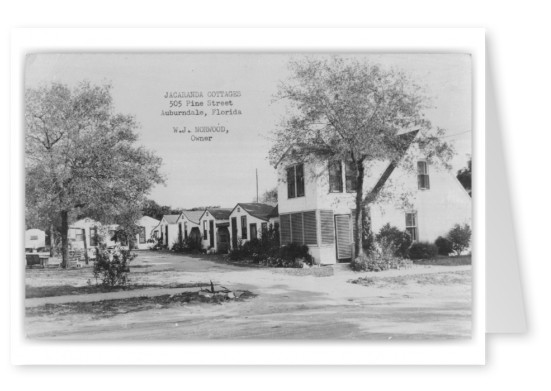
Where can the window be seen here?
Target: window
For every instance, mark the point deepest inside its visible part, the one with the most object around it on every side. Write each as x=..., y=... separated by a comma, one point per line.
x=295, y=181
x=299, y=228
x=93, y=236
x=185, y=230
x=411, y=226
x=335, y=177
x=423, y=175
x=253, y=231
x=264, y=228
x=142, y=235
x=205, y=229
x=79, y=235
x=351, y=177
x=33, y=237
x=243, y=227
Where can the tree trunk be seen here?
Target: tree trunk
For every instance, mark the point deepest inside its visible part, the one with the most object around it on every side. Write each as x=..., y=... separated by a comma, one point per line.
x=358, y=219
x=64, y=239
x=52, y=240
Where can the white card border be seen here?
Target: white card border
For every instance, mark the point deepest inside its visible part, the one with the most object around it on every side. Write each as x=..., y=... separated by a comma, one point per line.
x=465, y=352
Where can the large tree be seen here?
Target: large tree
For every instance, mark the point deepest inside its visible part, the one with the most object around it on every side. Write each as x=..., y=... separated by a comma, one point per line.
x=347, y=109
x=82, y=159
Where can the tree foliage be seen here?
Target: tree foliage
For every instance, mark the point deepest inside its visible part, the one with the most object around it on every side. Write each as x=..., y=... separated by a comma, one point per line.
x=464, y=176
x=82, y=158
x=353, y=110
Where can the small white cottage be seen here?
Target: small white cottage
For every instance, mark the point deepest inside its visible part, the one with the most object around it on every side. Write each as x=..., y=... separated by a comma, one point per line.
x=169, y=229
x=35, y=239
x=190, y=226
x=248, y=221
x=146, y=237
x=214, y=224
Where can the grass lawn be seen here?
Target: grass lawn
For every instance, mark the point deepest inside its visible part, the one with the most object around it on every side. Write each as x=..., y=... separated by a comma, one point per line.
x=445, y=261
x=458, y=277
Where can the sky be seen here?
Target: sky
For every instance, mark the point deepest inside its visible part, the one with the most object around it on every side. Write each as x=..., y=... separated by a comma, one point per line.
x=222, y=171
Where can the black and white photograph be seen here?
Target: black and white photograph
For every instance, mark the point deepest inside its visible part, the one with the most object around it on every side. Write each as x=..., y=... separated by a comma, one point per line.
x=248, y=196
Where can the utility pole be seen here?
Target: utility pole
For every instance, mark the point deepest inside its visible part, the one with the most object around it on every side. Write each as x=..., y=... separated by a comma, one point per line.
x=257, y=185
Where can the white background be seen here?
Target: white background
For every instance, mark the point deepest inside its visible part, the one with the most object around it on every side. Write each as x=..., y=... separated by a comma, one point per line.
x=518, y=42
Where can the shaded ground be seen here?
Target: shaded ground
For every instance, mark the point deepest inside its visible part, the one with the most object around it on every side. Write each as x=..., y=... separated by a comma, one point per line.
x=64, y=290
x=423, y=302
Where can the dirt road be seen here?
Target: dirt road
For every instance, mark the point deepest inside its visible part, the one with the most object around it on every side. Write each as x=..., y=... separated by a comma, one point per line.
x=425, y=302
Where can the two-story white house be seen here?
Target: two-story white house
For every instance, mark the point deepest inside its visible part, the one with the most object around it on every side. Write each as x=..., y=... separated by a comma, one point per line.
x=317, y=202
x=214, y=224
x=248, y=221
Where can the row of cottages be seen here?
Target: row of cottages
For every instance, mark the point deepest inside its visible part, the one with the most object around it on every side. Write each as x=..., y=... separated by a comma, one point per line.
x=186, y=225
x=316, y=202
x=219, y=229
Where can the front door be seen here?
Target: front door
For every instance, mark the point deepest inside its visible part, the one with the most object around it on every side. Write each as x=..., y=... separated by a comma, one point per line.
x=252, y=230
x=234, y=232
x=343, y=235
x=211, y=229
x=223, y=244
x=166, y=234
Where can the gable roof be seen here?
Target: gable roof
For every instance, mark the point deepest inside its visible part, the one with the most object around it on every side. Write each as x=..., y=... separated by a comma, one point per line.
x=193, y=215
x=406, y=139
x=255, y=209
x=147, y=220
x=274, y=212
x=171, y=219
x=218, y=213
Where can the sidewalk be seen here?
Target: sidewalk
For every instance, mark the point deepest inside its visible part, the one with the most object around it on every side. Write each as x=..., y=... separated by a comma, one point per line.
x=86, y=298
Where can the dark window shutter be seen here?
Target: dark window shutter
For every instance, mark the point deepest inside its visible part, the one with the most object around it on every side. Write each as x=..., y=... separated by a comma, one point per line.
x=297, y=229
x=351, y=177
x=291, y=193
x=335, y=177
x=310, y=228
x=327, y=227
x=285, y=228
x=299, y=171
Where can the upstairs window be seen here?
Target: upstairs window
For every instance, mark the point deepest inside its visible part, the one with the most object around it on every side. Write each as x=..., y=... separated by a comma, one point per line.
x=411, y=226
x=423, y=175
x=351, y=176
x=295, y=181
x=243, y=227
x=335, y=177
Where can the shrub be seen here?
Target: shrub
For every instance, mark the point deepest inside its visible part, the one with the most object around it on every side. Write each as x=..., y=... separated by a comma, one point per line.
x=460, y=237
x=369, y=263
x=444, y=246
x=187, y=245
x=112, y=266
x=423, y=250
x=393, y=242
